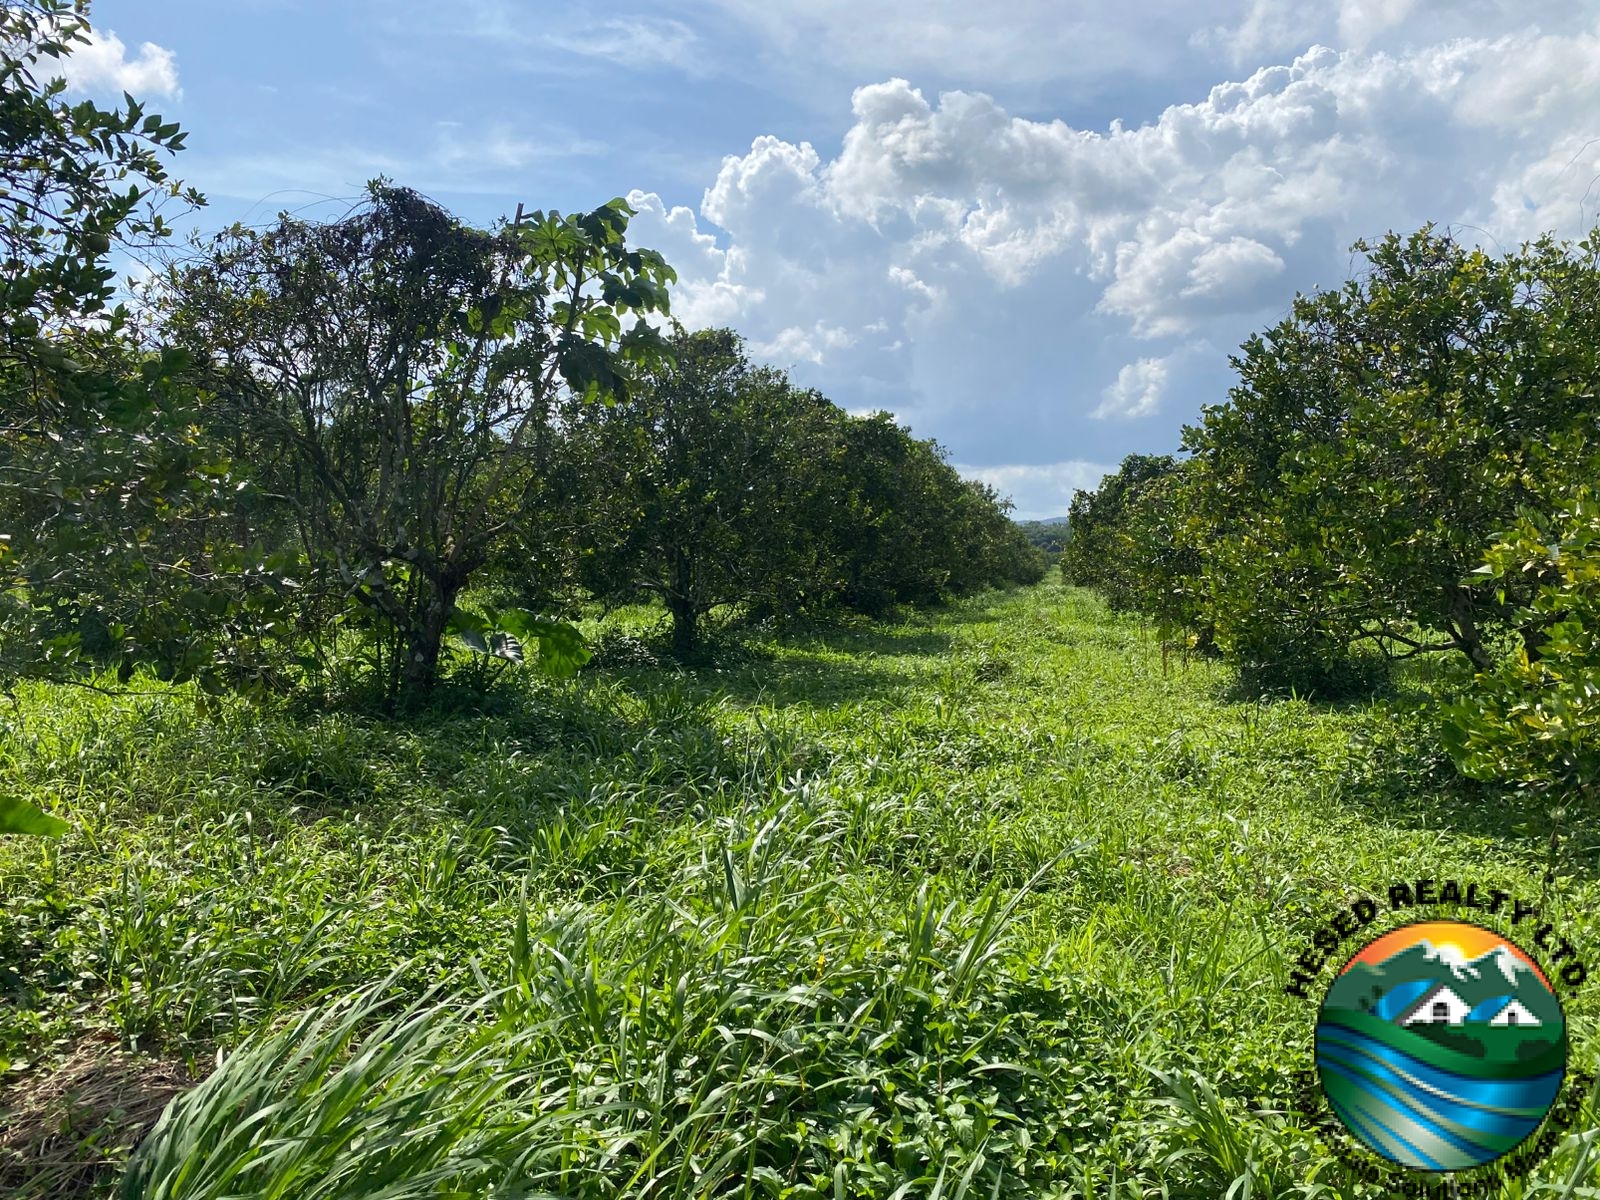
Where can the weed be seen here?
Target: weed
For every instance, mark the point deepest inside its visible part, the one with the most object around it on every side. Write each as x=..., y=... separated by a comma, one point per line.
x=980, y=903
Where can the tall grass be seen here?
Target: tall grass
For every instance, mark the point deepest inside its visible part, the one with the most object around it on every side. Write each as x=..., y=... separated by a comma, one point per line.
x=978, y=905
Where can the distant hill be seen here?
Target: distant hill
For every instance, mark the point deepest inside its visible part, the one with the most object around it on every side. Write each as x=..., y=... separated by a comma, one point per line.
x=1409, y=973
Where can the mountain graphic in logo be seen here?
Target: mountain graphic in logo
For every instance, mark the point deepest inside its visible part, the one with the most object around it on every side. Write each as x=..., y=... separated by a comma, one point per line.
x=1441, y=1046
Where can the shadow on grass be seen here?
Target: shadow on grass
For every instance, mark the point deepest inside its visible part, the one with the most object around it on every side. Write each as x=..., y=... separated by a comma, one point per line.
x=1524, y=821
x=763, y=664
x=827, y=666
x=883, y=641
x=1340, y=688
x=655, y=730
x=812, y=682
x=1404, y=779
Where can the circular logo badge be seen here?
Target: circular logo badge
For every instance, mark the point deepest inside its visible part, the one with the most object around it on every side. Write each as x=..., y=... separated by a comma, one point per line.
x=1441, y=1046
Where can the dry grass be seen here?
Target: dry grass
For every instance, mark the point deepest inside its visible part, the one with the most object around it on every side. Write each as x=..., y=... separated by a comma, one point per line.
x=65, y=1131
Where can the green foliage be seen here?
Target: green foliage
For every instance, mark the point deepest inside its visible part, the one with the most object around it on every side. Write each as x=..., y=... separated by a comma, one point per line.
x=1048, y=536
x=720, y=483
x=1534, y=719
x=910, y=530
x=983, y=904
x=18, y=816
x=704, y=487
x=506, y=635
x=1377, y=439
x=395, y=376
x=1098, y=553
x=607, y=1065
x=666, y=933
x=78, y=178
x=105, y=485
x=996, y=550
x=1132, y=540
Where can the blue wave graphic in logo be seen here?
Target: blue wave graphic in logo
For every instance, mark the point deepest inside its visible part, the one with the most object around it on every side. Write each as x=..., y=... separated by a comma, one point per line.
x=1419, y=1115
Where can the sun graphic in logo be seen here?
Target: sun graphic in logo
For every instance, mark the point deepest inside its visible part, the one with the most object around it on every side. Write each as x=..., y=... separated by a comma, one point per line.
x=1441, y=1046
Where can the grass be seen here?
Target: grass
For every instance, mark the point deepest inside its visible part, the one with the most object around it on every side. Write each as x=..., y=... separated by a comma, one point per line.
x=979, y=904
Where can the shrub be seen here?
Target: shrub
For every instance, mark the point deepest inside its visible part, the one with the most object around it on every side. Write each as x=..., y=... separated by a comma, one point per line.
x=1534, y=720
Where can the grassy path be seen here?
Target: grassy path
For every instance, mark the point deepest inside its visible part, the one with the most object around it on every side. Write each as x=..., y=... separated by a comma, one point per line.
x=983, y=903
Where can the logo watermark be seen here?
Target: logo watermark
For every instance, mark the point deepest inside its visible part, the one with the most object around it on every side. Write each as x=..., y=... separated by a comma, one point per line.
x=1441, y=1061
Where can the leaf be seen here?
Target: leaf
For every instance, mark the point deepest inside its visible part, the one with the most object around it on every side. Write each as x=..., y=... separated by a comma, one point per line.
x=562, y=649
x=18, y=816
x=473, y=640
x=461, y=622
x=503, y=645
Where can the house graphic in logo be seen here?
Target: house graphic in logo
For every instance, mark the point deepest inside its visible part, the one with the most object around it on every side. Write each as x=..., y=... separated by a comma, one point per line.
x=1440, y=1005
x=1441, y=1046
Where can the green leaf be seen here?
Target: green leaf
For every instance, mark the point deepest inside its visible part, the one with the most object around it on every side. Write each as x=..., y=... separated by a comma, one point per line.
x=461, y=622
x=562, y=650
x=18, y=816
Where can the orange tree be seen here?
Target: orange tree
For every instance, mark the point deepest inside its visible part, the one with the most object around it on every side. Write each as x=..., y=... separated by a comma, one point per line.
x=1534, y=719
x=99, y=457
x=393, y=376
x=1377, y=439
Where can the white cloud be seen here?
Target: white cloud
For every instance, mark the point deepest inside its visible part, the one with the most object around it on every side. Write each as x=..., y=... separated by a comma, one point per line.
x=1360, y=21
x=491, y=162
x=498, y=148
x=103, y=65
x=1037, y=42
x=1136, y=392
x=501, y=148
x=635, y=42
x=907, y=279
x=1040, y=492
x=793, y=345
x=1002, y=281
x=1274, y=27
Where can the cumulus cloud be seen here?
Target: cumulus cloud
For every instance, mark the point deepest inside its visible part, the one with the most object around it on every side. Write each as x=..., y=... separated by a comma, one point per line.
x=1001, y=280
x=104, y=66
x=1136, y=392
x=1040, y=492
x=812, y=345
x=1166, y=286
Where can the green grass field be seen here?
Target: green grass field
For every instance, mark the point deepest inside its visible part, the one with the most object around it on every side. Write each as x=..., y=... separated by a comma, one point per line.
x=982, y=903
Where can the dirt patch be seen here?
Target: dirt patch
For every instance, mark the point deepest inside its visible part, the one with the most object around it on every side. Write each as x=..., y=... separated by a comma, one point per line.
x=63, y=1132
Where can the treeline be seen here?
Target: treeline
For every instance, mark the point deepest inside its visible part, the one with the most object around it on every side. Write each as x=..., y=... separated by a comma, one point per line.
x=1405, y=467
x=1048, y=536
x=719, y=482
x=301, y=449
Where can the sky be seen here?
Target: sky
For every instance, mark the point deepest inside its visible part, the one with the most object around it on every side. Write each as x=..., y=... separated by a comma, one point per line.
x=1033, y=231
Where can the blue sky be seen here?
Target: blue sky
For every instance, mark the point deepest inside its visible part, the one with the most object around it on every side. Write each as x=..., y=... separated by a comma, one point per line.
x=1033, y=236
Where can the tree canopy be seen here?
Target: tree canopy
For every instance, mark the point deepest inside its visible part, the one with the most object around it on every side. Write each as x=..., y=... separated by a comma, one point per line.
x=98, y=453
x=395, y=375
x=703, y=486
x=1379, y=438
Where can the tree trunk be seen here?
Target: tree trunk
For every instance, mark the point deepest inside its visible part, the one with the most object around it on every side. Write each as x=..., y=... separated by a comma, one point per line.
x=420, y=671
x=680, y=604
x=1464, y=626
